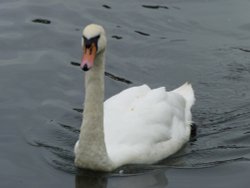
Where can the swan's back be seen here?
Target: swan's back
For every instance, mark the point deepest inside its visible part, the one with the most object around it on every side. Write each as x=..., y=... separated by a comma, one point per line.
x=144, y=125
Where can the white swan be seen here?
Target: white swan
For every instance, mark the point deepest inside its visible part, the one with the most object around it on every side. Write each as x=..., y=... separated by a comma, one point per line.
x=138, y=125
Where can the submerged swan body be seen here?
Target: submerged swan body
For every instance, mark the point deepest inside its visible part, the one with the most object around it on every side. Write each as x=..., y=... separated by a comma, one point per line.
x=137, y=126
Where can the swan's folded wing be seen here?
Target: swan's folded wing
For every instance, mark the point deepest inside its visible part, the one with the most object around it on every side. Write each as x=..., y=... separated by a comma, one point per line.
x=140, y=115
x=144, y=124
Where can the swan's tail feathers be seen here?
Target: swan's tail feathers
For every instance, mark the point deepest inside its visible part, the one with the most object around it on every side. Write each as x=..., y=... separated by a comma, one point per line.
x=186, y=90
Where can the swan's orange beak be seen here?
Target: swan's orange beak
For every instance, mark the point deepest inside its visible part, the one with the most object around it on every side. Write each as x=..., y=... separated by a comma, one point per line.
x=88, y=57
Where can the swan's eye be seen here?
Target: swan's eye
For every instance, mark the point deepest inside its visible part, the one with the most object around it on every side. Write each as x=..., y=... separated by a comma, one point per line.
x=95, y=39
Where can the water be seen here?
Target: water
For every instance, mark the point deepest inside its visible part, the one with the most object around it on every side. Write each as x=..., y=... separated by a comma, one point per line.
x=155, y=42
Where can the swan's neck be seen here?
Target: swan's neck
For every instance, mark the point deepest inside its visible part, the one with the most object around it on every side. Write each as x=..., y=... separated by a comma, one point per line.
x=92, y=151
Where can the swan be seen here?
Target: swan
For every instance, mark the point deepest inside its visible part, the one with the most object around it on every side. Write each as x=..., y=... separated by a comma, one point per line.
x=137, y=126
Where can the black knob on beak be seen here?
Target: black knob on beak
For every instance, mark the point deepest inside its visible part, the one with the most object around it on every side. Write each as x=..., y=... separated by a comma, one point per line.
x=85, y=67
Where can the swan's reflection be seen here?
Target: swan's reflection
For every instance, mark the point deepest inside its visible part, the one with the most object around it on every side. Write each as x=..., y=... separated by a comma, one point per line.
x=90, y=179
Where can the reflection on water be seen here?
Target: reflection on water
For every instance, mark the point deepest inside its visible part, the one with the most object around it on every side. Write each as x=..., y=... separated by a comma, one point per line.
x=91, y=179
x=156, y=178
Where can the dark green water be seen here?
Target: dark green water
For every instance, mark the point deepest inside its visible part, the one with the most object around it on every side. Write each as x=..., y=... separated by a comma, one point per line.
x=160, y=43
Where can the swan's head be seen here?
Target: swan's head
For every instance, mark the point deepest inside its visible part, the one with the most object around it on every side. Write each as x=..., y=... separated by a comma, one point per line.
x=93, y=43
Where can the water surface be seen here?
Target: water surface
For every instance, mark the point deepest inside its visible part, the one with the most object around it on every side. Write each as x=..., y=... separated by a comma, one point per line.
x=154, y=42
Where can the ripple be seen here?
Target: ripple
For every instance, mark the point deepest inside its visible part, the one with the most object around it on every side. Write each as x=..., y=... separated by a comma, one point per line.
x=155, y=7
x=243, y=49
x=142, y=33
x=117, y=78
x=117, y=37
x=110, y=75
x=41, y=21
x=106, y=6
x=237, y=71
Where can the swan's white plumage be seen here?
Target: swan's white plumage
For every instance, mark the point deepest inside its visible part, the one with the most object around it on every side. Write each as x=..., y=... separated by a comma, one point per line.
x=138, y=125
x=144, y=125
